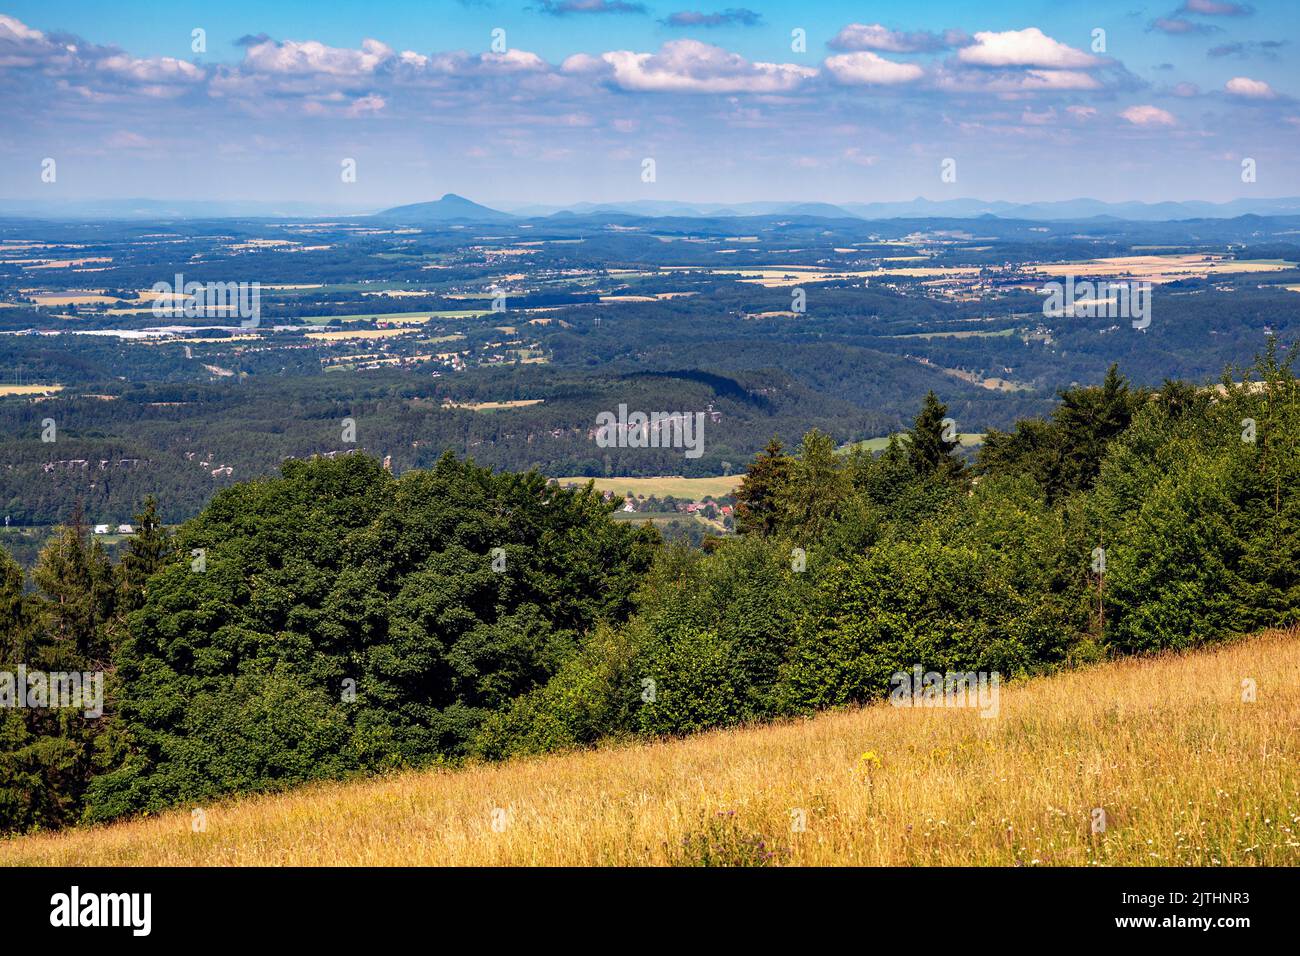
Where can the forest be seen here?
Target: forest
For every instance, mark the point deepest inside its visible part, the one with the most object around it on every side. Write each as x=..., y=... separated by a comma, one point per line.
x=334, y=620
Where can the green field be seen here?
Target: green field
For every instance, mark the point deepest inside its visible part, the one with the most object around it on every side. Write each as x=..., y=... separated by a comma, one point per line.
x=968, y=440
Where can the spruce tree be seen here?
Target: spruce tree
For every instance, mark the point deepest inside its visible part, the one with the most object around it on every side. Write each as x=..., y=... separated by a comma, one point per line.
x=759, y=496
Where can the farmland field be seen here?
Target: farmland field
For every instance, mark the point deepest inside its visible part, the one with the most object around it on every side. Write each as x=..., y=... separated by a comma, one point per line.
x=28, y=389
x=402, y=317
x=676, y=486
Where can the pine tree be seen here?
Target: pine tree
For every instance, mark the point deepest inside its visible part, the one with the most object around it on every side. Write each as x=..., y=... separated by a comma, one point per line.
x=929, y=451
x=148, y=550
x=13, y=610
x=759, y=495
x=77, y=598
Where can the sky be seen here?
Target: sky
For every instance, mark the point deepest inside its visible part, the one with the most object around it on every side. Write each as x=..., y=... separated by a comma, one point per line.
x=562, y=101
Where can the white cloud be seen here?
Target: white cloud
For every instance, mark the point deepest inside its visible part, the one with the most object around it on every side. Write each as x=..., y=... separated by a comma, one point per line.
x=312, y=56
x=1028, y=47
x=514, y=61
x=583, y=63
x=871, y=69
x=1149, y=116
x=1251, y=89
x=689, y=66
x=151, y=70
x=371, y=103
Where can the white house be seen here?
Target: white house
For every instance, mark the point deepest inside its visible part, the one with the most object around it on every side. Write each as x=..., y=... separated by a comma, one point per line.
x=125, y=529
x=101, y=529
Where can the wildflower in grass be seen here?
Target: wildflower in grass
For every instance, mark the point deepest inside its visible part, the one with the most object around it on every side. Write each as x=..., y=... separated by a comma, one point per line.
x=868, y=762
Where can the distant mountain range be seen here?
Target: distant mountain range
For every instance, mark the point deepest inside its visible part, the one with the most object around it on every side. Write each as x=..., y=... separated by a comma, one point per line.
x=452, y=208
x=921, y=208
x=156, y=209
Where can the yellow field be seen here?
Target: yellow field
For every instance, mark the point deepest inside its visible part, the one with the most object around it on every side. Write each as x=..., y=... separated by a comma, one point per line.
x=29, y=389
x=1168, y=268
x=493, y=406
x=74, y=298
x=691, y=489
x=1186, y=772
x=341, y=334
x=62, y=263
x=778, y=276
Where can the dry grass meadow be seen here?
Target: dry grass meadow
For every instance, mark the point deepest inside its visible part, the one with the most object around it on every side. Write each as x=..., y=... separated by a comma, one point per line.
x=1186, y=771
x=689, y=489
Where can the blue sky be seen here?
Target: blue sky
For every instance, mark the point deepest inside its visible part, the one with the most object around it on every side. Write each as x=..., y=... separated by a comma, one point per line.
x=578, y=93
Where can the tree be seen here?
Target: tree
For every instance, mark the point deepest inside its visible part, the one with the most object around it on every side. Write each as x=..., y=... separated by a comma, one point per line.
x=1064, y=455
x=929, y=450
x=147, y=551
x=819, y=483
x=13, y=609
x=78, y=597
x=349, y=621
x=758, y=499
x=49, y=753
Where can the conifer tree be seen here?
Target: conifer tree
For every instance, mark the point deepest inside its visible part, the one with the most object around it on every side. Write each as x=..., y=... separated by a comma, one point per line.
x=760, y=492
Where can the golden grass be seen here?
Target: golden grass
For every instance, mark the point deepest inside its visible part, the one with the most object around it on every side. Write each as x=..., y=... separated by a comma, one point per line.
x=493, y=406
x=74, y=298
x=29, y=389
x=1166, y=268
x=691, y=489
x=1186, y=771
x=341, y=334
x=779, y=276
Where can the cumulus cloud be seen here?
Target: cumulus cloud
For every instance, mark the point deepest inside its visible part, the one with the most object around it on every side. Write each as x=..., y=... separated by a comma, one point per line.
x=155, y=70
x=1028, y=47
x=691, y=66
x=514, y=61
x=1149, y=116
x=731, y=17
x=874, y=36
x=86, y=71
x=1250, y=89
x=870, y=69
x=311, y=56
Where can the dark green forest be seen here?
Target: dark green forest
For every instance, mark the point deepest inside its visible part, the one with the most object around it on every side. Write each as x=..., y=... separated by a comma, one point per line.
x=335, y=620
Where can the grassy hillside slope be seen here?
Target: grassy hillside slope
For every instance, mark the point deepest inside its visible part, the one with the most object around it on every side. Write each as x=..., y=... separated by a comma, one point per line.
x=1186, y=771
